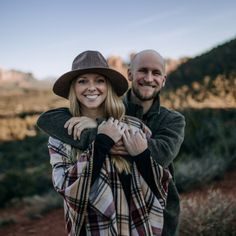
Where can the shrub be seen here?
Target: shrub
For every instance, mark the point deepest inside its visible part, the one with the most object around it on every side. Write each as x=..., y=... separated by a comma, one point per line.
x=208, y=149
x=213, y=214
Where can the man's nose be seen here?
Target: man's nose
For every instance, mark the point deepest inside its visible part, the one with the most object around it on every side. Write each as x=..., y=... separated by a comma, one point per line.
x=148, y=77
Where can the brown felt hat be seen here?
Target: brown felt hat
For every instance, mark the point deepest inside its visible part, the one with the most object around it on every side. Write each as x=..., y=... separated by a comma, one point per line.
x=90, y=62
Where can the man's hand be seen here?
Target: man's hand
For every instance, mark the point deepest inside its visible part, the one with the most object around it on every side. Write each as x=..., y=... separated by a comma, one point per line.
x=76, y=125
x=111, y=128
x=135, y=141
x=119, y=149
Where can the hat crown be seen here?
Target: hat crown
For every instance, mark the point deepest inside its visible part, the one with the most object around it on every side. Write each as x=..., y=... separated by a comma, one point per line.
x=89, y=59
x=90, y=62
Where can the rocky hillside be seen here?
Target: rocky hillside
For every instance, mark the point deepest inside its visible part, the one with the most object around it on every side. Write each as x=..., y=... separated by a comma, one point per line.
x=216, y=62
x=17, y=80
x=14, y=76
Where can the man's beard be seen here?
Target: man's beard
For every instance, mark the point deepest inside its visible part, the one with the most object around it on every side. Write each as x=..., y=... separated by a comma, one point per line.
x=144, y=98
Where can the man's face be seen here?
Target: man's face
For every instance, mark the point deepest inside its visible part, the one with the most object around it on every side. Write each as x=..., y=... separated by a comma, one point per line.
x=147, y=76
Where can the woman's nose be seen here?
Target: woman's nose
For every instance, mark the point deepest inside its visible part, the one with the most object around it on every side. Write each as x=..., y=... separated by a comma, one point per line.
x=91, y=88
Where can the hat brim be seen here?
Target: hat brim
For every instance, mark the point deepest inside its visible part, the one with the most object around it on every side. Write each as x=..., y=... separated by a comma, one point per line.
x=119, y=83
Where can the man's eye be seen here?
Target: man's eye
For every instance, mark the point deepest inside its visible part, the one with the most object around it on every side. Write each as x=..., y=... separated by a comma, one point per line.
x=157, y=73
x=142, y=70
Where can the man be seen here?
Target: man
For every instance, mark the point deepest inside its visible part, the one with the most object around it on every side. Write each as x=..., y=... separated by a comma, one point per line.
x=148, y=77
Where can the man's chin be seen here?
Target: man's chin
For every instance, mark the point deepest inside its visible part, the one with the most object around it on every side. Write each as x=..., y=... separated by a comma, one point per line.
x=145, y=97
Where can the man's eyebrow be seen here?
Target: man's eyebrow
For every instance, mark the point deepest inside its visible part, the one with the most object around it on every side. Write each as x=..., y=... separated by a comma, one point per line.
x=147, y=68
x=157, y=70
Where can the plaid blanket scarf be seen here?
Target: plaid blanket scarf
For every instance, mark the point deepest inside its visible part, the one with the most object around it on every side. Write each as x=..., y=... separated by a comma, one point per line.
x=103, y=207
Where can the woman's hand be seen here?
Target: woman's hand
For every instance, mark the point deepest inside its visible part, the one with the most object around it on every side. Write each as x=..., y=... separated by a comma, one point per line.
x=111, y=128
x=76, y=125
x=135, y=141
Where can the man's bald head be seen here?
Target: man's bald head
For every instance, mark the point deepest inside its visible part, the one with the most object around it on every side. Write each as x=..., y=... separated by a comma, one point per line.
x=148, y=77
x=150, y=53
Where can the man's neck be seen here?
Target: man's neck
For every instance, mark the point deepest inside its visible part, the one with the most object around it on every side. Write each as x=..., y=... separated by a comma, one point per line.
x=145, y=104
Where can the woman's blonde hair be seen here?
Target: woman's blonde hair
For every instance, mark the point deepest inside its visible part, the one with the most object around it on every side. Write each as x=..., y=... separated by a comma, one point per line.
x=113, y=107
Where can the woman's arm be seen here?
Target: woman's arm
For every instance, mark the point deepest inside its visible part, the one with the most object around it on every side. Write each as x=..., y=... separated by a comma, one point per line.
x=155, y=176
x=66, y=170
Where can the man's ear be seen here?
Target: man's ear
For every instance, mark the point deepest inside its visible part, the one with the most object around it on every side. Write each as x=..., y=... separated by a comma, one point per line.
x=164, y=81
x=130, y=77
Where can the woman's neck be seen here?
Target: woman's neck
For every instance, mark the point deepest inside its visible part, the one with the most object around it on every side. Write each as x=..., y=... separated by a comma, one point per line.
x=92, y=113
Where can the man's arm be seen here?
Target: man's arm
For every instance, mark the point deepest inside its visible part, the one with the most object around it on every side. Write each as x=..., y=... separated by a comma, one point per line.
x=166, y=142
x=52, y=122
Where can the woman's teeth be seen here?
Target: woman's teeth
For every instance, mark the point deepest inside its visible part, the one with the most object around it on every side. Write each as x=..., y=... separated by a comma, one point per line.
x=91, y=96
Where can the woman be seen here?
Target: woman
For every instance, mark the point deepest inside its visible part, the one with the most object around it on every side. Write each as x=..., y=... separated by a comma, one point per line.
x=103, y=194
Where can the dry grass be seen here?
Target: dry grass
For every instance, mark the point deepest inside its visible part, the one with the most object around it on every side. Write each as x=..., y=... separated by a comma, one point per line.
x=19, y=112
x=19, y=109
x=217, y=93
x=28, y=102
x=16, y=128
x=213, y=213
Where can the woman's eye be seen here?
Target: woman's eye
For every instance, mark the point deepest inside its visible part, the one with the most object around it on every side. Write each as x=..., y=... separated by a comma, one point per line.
x=81, y=81
x=100, y=81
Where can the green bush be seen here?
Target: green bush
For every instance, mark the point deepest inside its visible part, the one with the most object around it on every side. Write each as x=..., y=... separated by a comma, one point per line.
x=208, y=149
x=207, y=152
x=24, y=168
x=17, y=184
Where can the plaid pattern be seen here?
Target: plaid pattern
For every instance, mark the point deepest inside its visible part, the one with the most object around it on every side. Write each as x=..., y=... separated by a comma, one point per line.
x=103, y=206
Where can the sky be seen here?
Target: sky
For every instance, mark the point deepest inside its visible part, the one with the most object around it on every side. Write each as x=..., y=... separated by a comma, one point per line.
x=44, y=36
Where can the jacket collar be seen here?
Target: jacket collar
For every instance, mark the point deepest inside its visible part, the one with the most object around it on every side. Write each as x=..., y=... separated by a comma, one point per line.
x=134, y=109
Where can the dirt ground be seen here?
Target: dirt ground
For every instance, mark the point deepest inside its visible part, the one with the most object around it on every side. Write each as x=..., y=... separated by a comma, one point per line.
x=52, y=224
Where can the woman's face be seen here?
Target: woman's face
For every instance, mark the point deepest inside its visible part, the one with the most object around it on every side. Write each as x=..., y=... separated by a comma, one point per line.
x=91, y=91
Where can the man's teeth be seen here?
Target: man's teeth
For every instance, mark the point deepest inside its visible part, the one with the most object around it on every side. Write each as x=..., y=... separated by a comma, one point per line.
x=148, y=85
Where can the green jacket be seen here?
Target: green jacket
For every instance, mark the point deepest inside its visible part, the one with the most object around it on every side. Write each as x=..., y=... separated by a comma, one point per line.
x=167, y=128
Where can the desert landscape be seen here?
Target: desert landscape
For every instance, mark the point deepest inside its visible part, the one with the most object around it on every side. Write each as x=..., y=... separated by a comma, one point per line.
x=205, y=166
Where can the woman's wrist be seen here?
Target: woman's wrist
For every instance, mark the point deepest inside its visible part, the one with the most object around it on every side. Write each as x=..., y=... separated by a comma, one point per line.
x=146, y=153
x=104, y=142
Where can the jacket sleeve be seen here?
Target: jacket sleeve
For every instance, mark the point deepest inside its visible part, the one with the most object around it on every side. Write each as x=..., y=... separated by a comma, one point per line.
x=165, y=143
x=52, y=122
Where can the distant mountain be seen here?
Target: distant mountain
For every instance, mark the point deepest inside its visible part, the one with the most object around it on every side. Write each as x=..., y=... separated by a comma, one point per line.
x=221, y=60
x=14, y=79
x=15, y=76
x=173, y=64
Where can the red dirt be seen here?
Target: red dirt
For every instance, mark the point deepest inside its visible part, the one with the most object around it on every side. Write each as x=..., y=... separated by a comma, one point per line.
x=52, y=224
